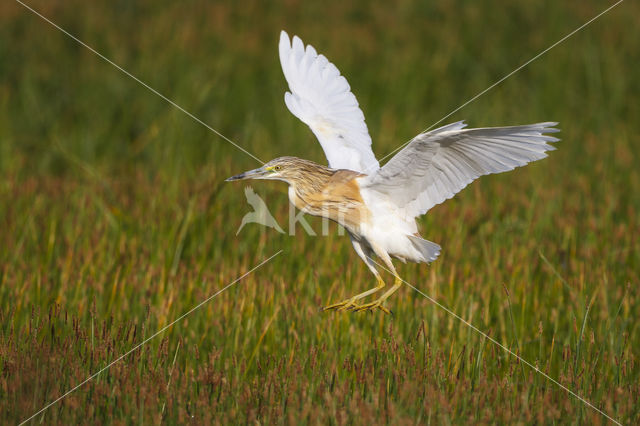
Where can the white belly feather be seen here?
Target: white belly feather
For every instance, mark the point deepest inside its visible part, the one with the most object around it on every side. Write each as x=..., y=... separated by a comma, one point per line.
x=390, y=229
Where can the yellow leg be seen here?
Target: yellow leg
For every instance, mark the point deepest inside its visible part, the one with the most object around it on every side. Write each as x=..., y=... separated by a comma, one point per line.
x=351, y=302
x=378, y=302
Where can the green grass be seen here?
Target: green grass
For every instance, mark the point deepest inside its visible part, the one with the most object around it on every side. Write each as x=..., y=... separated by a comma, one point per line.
x=115, y=220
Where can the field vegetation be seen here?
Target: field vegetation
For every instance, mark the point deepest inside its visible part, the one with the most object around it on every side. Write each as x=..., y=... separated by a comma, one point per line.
x=115, y=220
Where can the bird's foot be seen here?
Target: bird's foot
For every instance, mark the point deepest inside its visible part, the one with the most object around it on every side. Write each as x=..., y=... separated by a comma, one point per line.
x=371, y=306
x=342, y=306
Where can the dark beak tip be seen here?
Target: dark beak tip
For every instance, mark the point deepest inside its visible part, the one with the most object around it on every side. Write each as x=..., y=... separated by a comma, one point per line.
x=236, y=177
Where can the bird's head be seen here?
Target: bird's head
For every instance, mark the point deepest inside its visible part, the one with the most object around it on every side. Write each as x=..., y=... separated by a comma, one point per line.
x=287, y=169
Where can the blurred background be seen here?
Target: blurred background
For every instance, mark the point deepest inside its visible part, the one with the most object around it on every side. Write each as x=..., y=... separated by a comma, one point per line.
x=114, y=217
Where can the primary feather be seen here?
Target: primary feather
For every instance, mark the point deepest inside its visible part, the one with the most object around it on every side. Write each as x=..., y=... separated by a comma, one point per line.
x=436, y=165
x=321, y=98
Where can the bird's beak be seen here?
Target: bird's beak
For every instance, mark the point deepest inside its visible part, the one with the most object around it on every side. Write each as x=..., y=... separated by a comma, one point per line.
x=251, y=174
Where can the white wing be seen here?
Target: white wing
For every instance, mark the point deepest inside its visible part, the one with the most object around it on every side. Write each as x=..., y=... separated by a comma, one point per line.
x=322, y=99
x=436, y=165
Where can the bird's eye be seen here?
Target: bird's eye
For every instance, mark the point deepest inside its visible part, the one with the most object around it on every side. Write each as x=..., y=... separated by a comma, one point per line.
x=277, y=168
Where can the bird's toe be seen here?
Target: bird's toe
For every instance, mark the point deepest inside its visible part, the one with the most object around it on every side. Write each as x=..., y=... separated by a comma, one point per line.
x=342, y=306
x=372, y=306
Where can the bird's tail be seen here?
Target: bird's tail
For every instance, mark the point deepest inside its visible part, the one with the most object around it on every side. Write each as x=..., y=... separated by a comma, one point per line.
x=430, y=251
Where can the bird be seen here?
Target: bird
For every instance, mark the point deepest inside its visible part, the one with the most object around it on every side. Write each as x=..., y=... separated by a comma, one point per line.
x=378, y=206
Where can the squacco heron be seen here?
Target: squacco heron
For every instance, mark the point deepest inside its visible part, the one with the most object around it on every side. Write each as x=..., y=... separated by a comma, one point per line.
x=378, y=206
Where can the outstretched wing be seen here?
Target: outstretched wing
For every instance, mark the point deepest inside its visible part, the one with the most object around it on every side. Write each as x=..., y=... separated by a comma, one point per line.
x=322, y=99
x=436, y=165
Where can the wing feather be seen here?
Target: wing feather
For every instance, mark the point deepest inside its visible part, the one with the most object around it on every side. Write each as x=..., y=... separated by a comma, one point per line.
x=436, y=165
x=321, y=98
